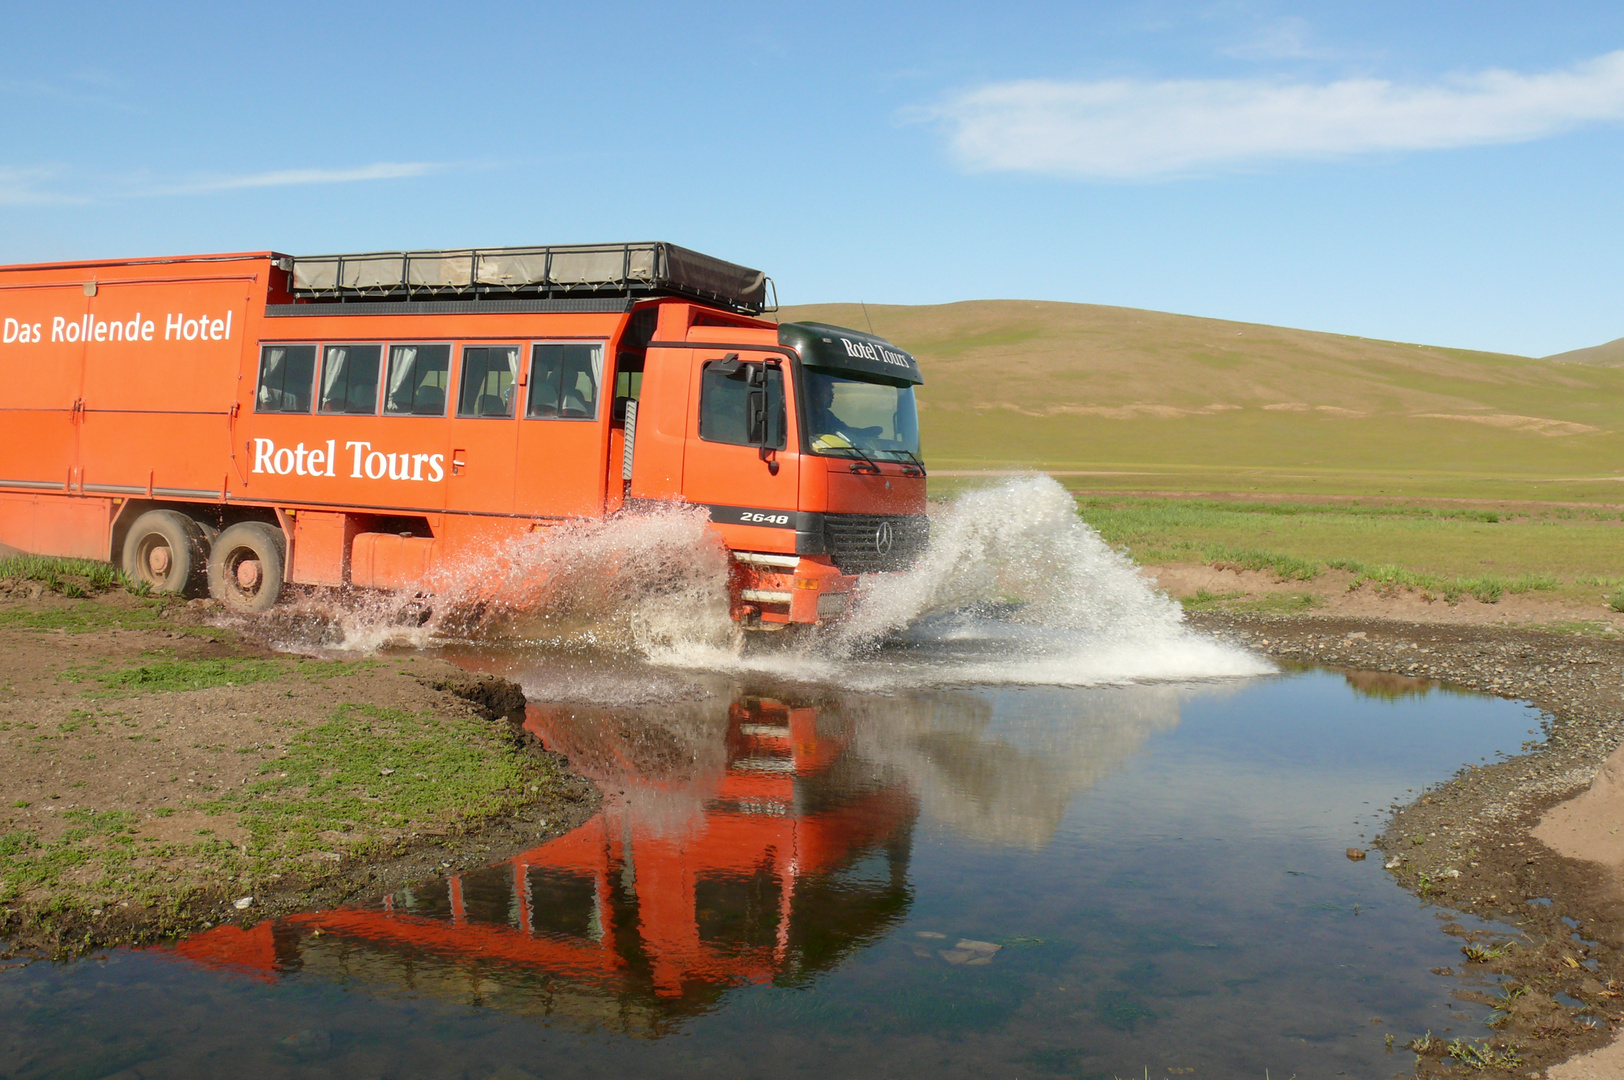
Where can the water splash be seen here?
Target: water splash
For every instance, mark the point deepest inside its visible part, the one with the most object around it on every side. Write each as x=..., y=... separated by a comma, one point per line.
x=630, y=584
x=1014, y=588
x=1017, y=550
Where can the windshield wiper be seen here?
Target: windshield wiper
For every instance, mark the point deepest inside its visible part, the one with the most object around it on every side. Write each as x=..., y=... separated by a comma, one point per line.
x=917, y=463
x=872, y=467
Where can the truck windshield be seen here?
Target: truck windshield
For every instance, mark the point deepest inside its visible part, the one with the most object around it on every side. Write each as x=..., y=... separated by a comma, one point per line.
x=851, y=417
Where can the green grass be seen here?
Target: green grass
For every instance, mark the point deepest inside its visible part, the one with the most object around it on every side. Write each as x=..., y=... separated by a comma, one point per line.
x=80, y=579
x=1450, y=552
x=1269, y=603
x=173, y=675
x=58, y=574
x=371, y=769
x=87, y=618
x=354, y=785
x=27, y=864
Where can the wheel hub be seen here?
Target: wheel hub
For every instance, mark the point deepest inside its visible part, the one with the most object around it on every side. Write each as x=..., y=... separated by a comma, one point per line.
x=248, y=574
x=158, y=561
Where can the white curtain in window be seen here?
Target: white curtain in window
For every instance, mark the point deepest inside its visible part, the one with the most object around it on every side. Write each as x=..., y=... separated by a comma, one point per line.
x=402, y=358
x=332, y=368
x=270, y=376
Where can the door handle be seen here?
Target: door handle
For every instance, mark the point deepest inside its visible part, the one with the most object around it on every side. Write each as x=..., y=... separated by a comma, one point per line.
x=457, y=464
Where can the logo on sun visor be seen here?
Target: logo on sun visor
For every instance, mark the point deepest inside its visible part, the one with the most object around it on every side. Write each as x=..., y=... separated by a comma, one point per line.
x=884, y=537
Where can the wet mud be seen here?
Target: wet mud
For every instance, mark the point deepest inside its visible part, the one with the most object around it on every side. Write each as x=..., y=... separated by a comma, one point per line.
x=1555, y=975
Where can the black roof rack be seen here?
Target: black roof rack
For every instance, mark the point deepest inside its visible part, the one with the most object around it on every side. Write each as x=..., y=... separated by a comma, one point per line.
x=532, y=273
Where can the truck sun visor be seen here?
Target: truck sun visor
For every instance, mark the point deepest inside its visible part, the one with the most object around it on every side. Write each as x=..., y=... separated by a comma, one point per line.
x=836, y=348
x=637, y=269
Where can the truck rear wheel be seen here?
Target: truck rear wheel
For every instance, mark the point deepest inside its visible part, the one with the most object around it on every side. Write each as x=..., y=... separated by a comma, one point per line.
x=166, y=551
x=246, y=566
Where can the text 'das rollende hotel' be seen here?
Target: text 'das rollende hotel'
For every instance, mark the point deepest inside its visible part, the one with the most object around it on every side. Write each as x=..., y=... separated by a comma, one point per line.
x=177, y=326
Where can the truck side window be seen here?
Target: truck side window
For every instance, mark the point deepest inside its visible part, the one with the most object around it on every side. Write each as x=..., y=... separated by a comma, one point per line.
x=349, y=379
x=723, y=401
x=564, y=381
x=488, y=375
x=286, y=373
x=418, y=378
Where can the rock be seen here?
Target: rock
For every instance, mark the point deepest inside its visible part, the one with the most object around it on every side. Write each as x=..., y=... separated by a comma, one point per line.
x=1355, y=854
x=930, y=934
x=243, y=903
x=986, y=947
x=956, y=956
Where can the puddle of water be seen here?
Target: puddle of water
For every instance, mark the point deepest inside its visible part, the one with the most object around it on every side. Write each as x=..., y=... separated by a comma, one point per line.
x=791, y=879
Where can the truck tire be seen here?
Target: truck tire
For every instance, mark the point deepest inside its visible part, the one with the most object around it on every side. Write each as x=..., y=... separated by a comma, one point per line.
x=247, y=566
x=166, y=551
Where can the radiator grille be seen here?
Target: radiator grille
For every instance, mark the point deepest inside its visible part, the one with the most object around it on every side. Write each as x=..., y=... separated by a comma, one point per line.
x=872, y=543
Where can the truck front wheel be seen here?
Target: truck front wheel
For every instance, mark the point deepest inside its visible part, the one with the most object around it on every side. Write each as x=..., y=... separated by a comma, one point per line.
x=165, y=550
x=246, y=566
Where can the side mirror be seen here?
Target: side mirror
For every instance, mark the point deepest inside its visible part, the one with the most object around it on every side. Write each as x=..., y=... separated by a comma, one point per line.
x=755, y=412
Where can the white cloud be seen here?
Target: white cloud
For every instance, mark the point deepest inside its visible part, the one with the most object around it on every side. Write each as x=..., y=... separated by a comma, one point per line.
x=43, y=186
x=22, y=187
x=383, y=170
x=1125, y=128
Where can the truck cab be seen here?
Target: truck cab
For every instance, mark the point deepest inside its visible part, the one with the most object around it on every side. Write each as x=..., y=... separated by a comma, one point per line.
x=802, y=442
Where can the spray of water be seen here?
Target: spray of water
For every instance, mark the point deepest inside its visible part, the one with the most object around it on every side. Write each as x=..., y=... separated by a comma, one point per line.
x=633, y=584
x=1015, y=588
x=1018, y=549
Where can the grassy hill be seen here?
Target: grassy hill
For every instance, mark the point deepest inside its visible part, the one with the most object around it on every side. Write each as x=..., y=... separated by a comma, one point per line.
x=1611, y=352
x=1141, y=400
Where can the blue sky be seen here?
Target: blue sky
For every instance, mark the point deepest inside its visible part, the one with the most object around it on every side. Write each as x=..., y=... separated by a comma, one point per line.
x=1445, y=173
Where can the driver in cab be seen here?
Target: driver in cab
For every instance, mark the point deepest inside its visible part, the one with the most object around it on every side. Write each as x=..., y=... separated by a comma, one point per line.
x=829, y=431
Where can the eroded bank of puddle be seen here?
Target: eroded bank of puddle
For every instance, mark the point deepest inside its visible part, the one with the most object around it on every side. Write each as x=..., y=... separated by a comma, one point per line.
x=794, y=879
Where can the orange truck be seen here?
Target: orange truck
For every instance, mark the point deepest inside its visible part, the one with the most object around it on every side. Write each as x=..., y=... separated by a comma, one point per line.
x=241, y=422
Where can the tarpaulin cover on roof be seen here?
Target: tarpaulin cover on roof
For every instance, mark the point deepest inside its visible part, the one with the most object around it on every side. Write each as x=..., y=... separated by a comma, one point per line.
x=591, y=268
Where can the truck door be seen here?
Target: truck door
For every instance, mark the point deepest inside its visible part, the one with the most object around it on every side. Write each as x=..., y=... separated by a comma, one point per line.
x=484, y=429
x=563, y=430
x=742, y=456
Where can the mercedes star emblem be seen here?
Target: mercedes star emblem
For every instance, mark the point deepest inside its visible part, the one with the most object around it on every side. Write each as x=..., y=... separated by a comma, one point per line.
x=884, y=538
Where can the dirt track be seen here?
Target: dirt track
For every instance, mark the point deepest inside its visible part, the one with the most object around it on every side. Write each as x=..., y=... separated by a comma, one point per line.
x=1470, y=844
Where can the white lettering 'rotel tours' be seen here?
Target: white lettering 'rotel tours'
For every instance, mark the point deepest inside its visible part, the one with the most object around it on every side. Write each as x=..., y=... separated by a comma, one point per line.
x=869, y=350
x=363, y=462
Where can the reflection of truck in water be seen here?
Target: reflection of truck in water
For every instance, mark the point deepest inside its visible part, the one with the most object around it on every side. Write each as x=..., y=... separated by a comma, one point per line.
x=626, y=923
x=387, y=420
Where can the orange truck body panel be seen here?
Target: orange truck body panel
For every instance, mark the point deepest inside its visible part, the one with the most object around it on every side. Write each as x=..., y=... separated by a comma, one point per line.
x=134, y=385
